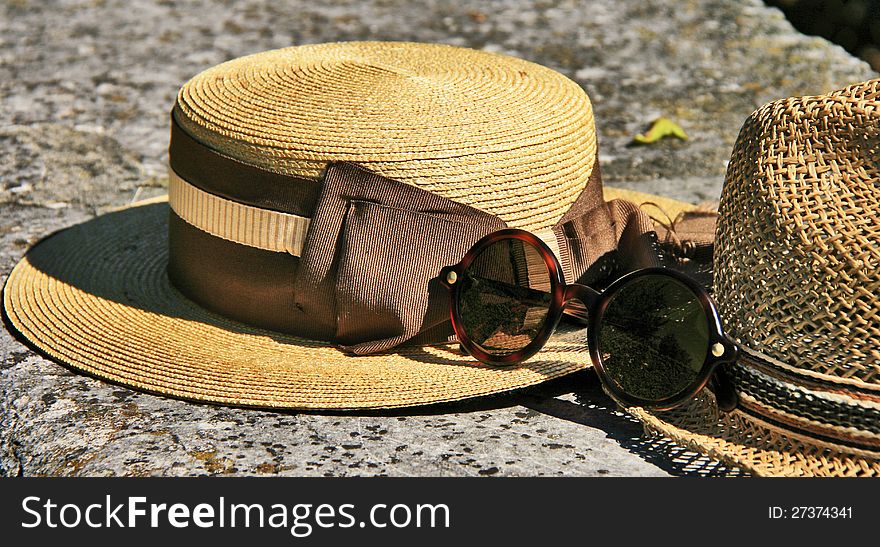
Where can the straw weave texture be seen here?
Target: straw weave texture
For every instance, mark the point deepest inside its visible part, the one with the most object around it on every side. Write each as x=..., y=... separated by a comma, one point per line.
x=797, y=277
x=798, y=246
x=501, y=134
x=754, y=445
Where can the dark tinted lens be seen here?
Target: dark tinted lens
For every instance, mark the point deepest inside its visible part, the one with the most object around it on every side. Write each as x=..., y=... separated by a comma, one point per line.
x=653, y=337
x=505, y=296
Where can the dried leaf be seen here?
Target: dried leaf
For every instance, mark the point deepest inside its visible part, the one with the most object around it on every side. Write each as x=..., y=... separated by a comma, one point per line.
x=660, y=128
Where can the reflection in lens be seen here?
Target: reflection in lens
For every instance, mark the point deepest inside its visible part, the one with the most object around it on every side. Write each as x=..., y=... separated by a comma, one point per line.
x=505, y=296
x=653, y=337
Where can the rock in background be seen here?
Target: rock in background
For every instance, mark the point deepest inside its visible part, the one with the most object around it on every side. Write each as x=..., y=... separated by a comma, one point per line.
x=86, y=88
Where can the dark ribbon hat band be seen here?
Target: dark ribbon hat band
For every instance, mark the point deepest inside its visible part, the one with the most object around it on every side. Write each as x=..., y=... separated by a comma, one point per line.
x=363, y=271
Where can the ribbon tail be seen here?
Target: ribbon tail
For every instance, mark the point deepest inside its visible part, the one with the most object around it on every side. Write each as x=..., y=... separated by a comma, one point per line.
x=605, y=242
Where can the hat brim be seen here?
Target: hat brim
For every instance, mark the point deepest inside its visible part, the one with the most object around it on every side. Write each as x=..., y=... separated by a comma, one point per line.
x=96, y=298
x=762, y=448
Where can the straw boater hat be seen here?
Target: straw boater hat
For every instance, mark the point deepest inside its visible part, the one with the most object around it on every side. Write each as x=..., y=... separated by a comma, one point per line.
x=315, y=193
x=797, y=280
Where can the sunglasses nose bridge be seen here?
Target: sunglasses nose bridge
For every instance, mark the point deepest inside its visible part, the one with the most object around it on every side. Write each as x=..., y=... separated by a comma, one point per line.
x=586, y=295
x=579, y=300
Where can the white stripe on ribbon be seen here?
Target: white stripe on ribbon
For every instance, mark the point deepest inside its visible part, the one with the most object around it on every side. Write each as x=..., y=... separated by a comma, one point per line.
x=549, y=237
x=237, y=222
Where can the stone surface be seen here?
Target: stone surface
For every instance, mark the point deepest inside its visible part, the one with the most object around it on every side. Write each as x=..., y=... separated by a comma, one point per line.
x=85, y=91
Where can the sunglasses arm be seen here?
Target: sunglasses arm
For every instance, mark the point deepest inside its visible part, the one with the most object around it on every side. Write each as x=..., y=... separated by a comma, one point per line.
x=725, y=395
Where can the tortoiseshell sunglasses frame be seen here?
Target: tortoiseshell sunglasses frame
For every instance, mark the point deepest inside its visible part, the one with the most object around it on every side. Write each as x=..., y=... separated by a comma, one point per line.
x=721, y=349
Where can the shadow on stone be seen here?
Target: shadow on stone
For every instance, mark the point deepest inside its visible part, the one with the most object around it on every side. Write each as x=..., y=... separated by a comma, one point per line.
x=592, y=407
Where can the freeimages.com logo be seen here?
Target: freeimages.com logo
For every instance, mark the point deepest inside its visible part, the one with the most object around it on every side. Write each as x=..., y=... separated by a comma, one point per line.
x=301, y=519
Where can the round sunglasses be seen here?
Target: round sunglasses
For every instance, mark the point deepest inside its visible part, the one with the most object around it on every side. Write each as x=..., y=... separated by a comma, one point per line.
x=654, y=335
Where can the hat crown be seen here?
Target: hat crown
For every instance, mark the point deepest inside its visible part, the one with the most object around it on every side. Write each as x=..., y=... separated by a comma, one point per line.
x=797, y=258
x=507, y=136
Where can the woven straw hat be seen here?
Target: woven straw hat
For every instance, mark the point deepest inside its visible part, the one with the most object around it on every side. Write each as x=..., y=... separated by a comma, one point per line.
x=505, y=135
x=797, y=280
x=497, y=134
